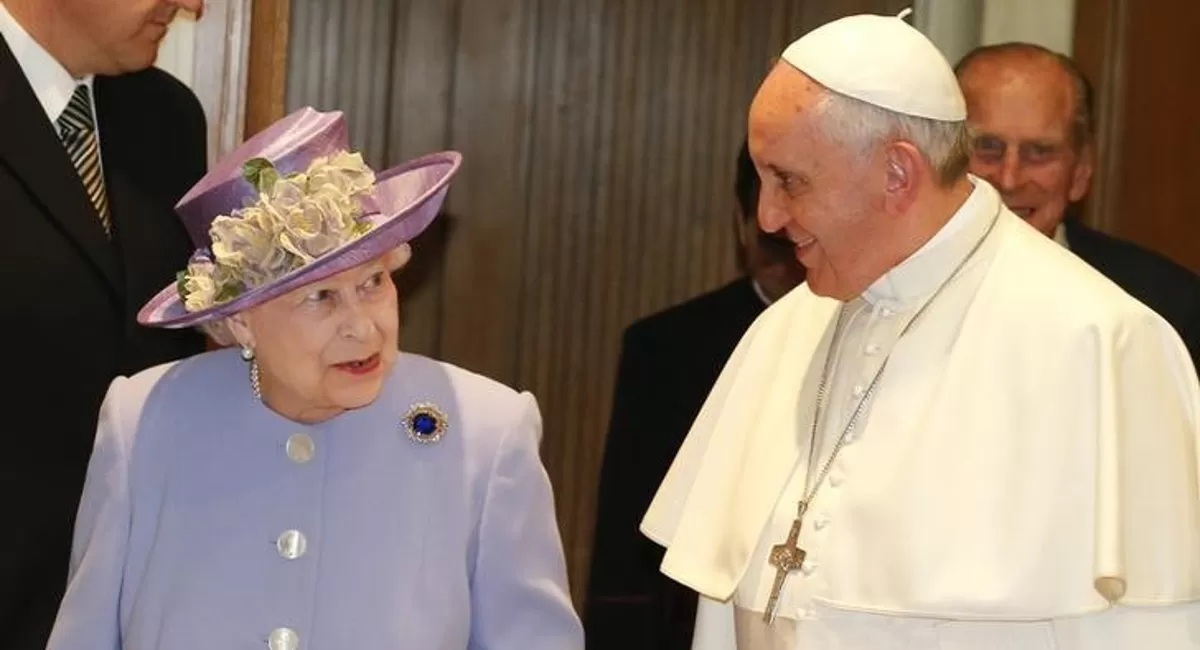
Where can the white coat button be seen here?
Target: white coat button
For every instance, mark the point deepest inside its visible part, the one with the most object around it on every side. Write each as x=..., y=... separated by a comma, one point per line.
x=283, y=638
x=300, y=447
x=291, y=544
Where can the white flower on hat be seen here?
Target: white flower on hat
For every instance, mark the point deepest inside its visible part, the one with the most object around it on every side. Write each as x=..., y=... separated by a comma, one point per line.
x=198, y=285
x=204, y=283
x=295, y=220
x=342, y=170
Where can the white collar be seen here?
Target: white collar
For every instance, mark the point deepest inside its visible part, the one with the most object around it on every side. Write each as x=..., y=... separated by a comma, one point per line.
x=922, y=272
x=51, y=82
x=1060, y=236
x=758, y=290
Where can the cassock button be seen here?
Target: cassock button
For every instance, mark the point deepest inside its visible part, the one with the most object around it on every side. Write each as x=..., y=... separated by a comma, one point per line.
x=820, y=522
x=300, y=448
x=858, y=390
x=283, y=638
x=291, y=544
x=886, y=313
x=872, y=349
x=808, y=568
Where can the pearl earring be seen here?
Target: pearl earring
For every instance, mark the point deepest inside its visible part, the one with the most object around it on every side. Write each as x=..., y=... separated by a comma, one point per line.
x=247, y=353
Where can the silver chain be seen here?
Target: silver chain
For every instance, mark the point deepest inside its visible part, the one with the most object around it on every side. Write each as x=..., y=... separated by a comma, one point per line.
x=811, y=487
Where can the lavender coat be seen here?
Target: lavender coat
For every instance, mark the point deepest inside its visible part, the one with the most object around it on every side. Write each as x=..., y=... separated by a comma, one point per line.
x=180, y=541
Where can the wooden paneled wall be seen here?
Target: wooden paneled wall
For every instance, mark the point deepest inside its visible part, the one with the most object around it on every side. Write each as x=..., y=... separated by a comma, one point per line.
x=267, y=63
x=599, y=140
x=1140, y=55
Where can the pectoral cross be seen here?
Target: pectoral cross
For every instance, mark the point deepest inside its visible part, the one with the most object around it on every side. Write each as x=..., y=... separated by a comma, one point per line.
x=786, y=557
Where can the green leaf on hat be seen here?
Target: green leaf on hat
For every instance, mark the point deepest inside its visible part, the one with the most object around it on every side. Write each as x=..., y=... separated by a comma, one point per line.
x=181, y=284
x=260, y=173
x=227, y=292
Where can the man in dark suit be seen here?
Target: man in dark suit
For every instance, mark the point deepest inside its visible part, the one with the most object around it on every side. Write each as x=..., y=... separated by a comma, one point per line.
x=95, y=149
x=669, y=362
x=1031, y=109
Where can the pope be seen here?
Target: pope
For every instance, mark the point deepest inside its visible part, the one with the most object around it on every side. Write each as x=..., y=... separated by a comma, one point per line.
x=956, y=435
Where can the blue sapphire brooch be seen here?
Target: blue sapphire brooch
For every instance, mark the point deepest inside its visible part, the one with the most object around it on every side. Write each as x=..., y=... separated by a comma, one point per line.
x=425, y=423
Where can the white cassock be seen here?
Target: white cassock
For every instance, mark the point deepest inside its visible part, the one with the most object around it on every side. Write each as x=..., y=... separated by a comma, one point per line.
x=1024, y=476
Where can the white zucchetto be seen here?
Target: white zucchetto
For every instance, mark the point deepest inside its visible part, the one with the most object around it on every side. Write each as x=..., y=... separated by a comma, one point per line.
x=881, y=60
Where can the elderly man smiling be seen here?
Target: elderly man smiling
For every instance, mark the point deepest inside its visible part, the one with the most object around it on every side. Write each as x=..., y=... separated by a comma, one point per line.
x=1031, y=109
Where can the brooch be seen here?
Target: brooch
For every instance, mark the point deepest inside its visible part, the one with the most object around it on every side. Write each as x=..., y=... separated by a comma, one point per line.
x=424, y=423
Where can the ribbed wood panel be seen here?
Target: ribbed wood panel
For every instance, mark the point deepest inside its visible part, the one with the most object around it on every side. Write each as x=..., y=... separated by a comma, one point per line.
x=1148, y=168
x=599, y=138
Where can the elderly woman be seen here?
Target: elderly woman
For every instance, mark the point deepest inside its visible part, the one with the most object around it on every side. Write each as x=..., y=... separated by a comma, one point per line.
x=312, y=487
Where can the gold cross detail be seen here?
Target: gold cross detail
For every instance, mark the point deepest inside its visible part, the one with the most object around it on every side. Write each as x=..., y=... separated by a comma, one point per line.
x=786, y=558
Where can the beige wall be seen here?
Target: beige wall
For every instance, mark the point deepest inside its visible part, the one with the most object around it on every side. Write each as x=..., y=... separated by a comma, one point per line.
x=1046, y=22
x=176, y=54
x=956, y=26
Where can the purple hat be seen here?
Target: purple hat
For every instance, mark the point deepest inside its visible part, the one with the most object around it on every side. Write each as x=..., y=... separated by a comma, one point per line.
x=292, y=206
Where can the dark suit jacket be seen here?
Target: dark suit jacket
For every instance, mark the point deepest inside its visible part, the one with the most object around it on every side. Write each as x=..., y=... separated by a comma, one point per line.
x=69, y=304
x=1160, y=284
x=669, y=362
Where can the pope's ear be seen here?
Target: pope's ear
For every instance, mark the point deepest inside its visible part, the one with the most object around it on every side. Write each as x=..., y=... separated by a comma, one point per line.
x=904, y=167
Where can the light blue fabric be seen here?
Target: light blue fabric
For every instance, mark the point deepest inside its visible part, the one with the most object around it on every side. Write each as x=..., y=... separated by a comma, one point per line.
x=444, y=546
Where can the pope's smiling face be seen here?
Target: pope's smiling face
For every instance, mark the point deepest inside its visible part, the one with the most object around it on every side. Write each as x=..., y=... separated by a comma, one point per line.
x=826, y=196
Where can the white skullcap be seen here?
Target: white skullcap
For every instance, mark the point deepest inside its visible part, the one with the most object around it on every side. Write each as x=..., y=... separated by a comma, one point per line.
x=883, y=61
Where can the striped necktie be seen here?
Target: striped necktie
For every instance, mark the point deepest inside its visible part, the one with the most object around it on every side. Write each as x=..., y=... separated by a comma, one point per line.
x=78, y=132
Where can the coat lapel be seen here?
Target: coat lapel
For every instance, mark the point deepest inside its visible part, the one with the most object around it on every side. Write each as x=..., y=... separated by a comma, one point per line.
x=31, y=149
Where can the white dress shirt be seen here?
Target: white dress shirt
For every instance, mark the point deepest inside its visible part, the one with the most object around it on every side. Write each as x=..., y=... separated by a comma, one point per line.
x=52, y=83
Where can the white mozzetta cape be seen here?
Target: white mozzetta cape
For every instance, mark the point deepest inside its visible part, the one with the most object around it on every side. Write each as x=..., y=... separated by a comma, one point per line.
x=1031, y=453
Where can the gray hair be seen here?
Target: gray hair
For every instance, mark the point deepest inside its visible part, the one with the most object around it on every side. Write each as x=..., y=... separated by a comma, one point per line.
x=855, y=123
x=218, y=330
x=1083, y=122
